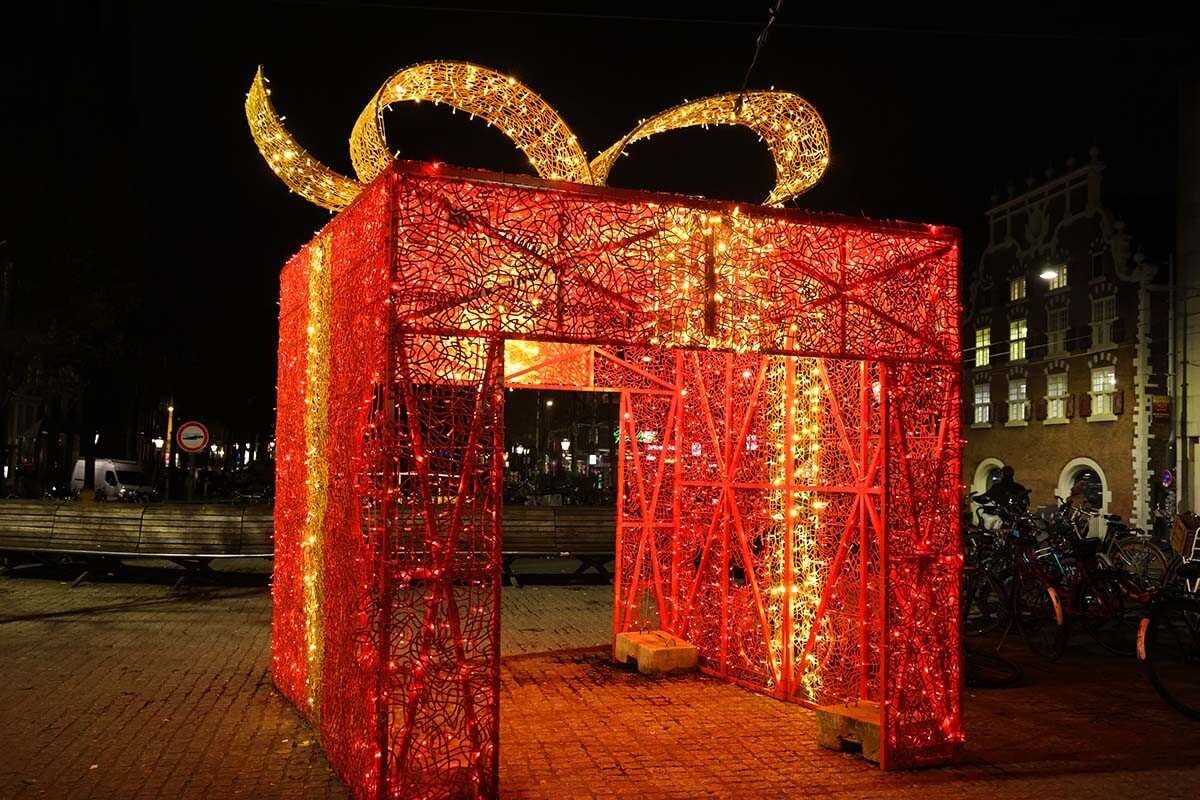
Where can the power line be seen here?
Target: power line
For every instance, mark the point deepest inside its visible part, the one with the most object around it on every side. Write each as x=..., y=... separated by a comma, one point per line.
x=759, y=43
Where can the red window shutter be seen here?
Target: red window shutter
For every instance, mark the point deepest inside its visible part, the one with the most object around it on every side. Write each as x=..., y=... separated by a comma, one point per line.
x=1043, y=408
x=1028, y=409
x=1085, y=404
x=1118, y=401
x=1002, y=412
x=1070, y=412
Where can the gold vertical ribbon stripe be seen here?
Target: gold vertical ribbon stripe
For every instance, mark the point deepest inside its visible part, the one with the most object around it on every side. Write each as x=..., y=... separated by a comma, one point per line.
x=316, y=435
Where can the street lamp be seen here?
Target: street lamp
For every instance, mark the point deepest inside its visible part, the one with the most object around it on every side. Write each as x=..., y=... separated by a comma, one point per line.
x=565, y=444
x=1048, y=274
x=158, y=442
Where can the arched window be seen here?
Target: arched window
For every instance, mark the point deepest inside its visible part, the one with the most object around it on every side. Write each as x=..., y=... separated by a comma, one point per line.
x=1095, y=485
x=986, y=475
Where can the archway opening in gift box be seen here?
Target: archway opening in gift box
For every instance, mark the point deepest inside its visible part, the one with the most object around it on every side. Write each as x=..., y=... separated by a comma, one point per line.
x=788, y=454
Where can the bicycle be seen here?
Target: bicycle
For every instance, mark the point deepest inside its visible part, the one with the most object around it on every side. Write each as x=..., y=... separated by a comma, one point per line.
x=1005, y=580
x=1168, y=643
x=1034, y=602
x=983, y=603
x=1096, y=593
x=1122, y=547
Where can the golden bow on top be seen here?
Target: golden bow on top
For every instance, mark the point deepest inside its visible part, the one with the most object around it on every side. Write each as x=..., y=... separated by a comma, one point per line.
x=791, y=128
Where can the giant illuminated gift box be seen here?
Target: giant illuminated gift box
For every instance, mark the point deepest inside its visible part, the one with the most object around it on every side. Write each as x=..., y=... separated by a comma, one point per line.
x=793, y=514
x=788, y=448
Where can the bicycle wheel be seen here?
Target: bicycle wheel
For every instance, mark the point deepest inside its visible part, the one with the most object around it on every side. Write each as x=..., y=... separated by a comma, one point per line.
x=1169, y=650
x=1039, y=615
x=1109, y=614
x=983, y=606
x=1143, y=561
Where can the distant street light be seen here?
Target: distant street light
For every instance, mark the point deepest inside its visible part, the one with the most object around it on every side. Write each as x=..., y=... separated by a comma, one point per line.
x=565, y=444
x=158, y=442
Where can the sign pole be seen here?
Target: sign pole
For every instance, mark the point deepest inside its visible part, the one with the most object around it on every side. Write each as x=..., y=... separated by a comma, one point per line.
x=192, y=437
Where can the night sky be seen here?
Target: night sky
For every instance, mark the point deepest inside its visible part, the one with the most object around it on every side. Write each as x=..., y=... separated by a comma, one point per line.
x=129, y=173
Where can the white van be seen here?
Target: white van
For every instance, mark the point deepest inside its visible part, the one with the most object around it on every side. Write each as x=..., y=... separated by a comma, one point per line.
x=115, y=480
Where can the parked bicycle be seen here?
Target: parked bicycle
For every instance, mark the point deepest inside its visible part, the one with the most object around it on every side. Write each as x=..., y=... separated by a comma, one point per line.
x=1168, y=643
x=1129, y=549
x=1005, y=584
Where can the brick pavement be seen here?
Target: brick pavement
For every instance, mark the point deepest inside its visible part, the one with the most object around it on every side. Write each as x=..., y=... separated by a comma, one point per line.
x=125, y=690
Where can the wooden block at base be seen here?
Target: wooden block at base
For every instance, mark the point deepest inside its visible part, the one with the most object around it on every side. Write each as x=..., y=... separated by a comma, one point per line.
x=656, y=652
x=852, y=727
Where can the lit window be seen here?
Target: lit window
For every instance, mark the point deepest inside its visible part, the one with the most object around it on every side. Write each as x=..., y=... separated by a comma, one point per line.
x=1056, y=277
x=983, y=346
x=1017, y=334
x=1018, y=404
x=1056, y=332
x=1104, y=386
x=983, y=404
x=1016, y=289
x=1056, y=395
x=1104, y=312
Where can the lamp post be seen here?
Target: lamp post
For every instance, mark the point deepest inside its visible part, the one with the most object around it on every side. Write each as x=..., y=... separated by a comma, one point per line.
x=170, y=431
x=167, y=449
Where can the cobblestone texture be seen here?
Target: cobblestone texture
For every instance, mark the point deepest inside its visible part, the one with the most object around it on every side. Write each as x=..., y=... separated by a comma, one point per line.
x=127, y=690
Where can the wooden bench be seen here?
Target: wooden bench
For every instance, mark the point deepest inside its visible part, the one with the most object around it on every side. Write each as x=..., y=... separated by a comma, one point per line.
x=188, y=535
x=588, y=534
x=27, y=525
x=194, y=535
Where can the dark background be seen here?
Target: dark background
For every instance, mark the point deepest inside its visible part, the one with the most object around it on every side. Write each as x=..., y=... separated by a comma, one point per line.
x=142, y=222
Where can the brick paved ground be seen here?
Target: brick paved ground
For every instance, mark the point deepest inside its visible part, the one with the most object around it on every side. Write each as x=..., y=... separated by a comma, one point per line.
x=125, y=690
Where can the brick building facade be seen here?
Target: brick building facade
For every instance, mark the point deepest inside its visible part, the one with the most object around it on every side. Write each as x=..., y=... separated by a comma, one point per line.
x=1066, y=337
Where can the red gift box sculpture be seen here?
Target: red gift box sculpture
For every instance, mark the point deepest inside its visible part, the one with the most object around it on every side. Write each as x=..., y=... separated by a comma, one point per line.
x=793, y=512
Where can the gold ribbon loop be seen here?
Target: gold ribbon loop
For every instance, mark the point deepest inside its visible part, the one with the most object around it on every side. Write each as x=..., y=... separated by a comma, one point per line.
x=302, y=173
x=513, y=108
x=790, y=126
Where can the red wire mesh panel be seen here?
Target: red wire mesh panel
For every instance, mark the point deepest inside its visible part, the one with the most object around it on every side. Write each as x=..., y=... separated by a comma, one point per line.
x=332, y=355
x=788, y=455
x=443, y=595
x=357, y=254
x=923, y=723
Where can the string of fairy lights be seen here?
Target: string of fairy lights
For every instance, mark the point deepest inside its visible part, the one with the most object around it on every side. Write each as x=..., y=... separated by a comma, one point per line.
x=499, y=100
x=786, y=123
x=791, y=128
x=316, y=439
